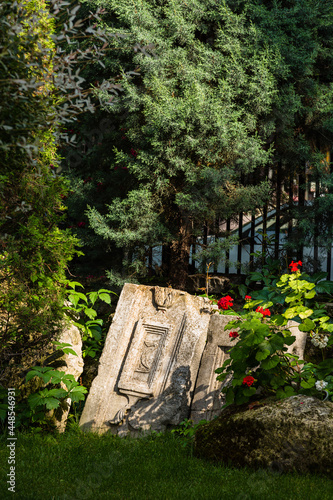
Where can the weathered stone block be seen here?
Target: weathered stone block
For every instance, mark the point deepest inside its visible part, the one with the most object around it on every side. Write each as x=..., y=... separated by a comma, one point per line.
x=295, y=434
x=72, y=365
x=208, y=399
x=149, y=363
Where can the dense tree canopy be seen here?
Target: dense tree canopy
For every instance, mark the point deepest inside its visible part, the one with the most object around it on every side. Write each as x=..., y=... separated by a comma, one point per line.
x=38, y=92
x=193, y=91
x=206, y=96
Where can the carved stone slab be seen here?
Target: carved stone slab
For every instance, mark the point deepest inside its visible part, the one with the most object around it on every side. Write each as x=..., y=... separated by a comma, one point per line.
x=208, y=399
x=149, y=363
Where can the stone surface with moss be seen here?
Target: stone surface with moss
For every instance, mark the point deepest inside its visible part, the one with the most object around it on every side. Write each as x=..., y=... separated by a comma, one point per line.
x=295, y=434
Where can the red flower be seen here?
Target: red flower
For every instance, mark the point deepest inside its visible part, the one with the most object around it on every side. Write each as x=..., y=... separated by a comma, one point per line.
x=87, y=180
x=294, y=266
x=247, y=297
x=233, y=335
x=133, y=153
x=264, y=312
x=248, y=380
x=81, y=224
x=225, y=302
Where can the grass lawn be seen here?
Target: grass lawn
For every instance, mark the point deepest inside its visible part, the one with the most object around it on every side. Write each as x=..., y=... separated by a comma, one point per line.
x=77, y=466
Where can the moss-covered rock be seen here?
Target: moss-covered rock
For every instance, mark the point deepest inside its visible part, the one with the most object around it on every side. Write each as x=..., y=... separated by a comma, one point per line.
x=295, y=434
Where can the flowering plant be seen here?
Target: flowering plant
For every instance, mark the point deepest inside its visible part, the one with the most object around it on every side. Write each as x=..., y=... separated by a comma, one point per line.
x=260, y=362
x=225, y=302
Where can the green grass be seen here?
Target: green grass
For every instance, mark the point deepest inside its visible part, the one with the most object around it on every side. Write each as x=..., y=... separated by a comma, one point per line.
x=76, y=466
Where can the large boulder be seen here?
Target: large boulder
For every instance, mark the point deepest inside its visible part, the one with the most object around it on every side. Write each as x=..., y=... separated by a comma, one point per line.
x=295, y=434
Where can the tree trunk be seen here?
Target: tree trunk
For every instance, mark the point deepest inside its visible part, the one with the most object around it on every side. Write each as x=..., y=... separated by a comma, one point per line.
x=179, y=255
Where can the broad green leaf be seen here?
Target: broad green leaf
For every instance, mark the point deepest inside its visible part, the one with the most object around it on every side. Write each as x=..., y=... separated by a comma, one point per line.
x=289, y=340
x=52, y=403
x=73, y=284
x=305, y=314
x=78, y=393
x=249, y=391
x=57, y=393
x=289, y=390
x=307, y=384
x=307, y=325
x=91, y=313
x=270, y=363
x=35, y=400
x=105, y=297
x=93, y=297
x=262, y=354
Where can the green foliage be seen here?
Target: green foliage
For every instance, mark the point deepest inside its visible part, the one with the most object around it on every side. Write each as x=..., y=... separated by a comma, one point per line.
x=39, y=92
x=82, y=311
x=185, y=133
x=259, y=360
x=186, y=430
x=63, y=387
x=203, y=96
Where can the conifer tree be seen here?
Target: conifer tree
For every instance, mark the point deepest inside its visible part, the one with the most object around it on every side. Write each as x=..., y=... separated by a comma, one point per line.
x=191, y=134
x=300, y=33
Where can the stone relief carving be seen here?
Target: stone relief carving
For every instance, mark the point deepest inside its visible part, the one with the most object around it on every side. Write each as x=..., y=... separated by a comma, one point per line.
x=150, y=361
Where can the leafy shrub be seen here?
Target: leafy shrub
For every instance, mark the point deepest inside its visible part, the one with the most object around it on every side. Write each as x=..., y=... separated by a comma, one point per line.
x=259, y=361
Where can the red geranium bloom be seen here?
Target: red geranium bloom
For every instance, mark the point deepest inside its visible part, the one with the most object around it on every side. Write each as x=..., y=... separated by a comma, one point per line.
x=225, y=302
x=247, y=297
x=264, y=312
x=294, y=266
x=248, y=380
x=233, y=335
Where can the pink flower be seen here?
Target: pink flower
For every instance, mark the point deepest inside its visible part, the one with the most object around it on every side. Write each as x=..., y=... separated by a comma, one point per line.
x=225, y=302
